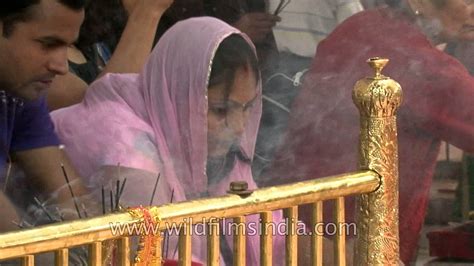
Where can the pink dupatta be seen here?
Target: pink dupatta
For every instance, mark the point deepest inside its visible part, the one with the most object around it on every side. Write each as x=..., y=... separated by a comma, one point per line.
x=157, y=121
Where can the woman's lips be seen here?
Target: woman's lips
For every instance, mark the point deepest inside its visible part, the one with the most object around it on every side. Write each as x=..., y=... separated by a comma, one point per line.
x=467, y=28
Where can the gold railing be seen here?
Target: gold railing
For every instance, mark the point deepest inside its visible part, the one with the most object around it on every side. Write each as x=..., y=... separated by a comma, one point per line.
x=96, y=230
x=377, y=213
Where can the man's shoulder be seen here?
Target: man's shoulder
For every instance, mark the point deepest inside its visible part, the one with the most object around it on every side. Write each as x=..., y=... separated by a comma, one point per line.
x=31, y=125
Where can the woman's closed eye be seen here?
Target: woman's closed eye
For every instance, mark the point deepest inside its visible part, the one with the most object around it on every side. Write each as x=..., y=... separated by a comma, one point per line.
x=249, y=106
x=220, y=111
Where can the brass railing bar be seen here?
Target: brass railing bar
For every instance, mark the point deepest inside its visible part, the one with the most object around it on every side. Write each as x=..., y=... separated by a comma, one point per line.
x=213, y=244
x=340, y=243
x=53, y=237
x=239, y=241
x=159, y=248
x=266, y=239
x=61, y=257
x=185, y=255
x=28, y=260
x=124, y=251
x=291, y=215
x=95, y=254
x=317, y=234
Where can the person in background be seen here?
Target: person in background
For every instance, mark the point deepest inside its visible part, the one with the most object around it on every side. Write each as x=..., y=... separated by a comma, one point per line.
x=438, y=101
x=303, y=25
x=116, y=37
x=464, y=52
x=34, y=36
x=367, y=4
x=249, y=16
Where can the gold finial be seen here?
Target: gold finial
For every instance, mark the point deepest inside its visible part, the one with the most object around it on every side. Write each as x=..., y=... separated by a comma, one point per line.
x=238, y=186
x=377, y=64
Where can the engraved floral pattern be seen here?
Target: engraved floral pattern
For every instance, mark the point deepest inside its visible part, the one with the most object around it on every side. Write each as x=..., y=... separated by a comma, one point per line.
x=377, y=213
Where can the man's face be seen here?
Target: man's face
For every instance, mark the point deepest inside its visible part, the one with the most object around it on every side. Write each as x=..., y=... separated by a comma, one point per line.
x=36, y=50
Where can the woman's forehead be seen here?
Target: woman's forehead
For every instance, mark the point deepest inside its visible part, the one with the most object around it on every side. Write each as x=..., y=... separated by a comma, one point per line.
x=242, y=90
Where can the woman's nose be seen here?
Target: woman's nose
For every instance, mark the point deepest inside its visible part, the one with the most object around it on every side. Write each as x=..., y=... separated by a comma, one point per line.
x=238, y=122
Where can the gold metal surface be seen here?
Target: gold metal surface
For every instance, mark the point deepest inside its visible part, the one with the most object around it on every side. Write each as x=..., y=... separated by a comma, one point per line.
x=266, y=239
x=317, y=234
x=213, y=244
x=291, y=215
x=340, y=243
x=239, y=241
x=124, y=251
x=185, y=256
x=95, y=254
x=53, y=237
x=465, y=187
x=28, y=260
x=158, y=253
x=378, y=99
x=61, y=257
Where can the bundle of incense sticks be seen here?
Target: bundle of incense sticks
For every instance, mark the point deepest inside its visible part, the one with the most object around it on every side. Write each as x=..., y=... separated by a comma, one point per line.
x=81, y=210
x=115, y=194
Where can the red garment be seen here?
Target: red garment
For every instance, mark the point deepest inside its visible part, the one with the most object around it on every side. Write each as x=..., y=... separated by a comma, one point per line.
x=324, y=124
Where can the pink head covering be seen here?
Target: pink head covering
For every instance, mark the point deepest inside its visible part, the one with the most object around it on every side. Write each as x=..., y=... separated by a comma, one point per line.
x=157, y=121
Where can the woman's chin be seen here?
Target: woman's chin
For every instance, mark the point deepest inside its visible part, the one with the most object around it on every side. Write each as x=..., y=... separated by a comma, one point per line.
x=218, y=150
x=216, y=154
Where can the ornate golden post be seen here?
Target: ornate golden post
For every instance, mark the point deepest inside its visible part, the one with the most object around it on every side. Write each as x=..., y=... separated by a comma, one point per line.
x=378, y=99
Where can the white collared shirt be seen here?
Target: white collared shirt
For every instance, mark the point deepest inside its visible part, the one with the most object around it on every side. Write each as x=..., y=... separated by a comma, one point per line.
x=306, y=22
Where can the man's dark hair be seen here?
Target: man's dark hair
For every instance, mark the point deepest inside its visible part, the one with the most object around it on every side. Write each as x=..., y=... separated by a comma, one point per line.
x=12, y=12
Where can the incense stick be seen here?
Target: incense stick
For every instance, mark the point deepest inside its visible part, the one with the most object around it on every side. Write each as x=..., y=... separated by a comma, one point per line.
x=44, y=209
x=154, y=189
x=84, y=210
x=175, y=249
x=111, y=201
x=122, y=187
x=167, y=237
x=18, y=224
x=61, y=216
x=103, y=200
x=117, y=193
x=70, y=190
x=27, y=223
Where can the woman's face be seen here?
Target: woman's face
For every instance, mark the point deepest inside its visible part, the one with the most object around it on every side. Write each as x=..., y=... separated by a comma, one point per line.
x=227, y=117
x=456, y=18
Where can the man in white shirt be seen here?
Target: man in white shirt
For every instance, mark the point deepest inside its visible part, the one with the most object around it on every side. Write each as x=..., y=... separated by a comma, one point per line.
x=304, y=23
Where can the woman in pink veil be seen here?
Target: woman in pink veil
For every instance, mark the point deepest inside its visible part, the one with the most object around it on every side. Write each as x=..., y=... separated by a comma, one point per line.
x=190, y=116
